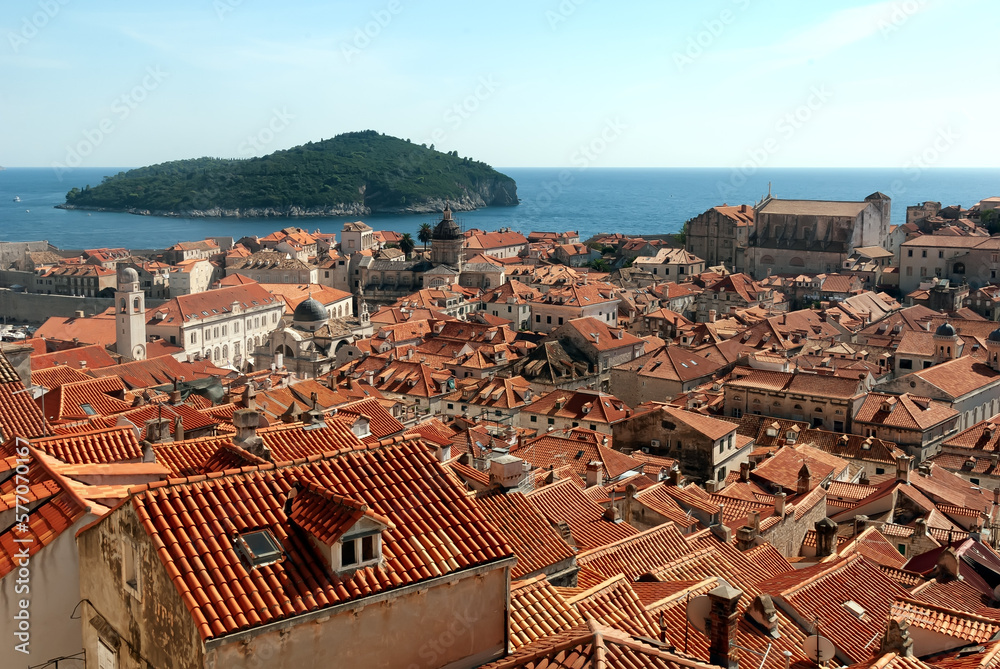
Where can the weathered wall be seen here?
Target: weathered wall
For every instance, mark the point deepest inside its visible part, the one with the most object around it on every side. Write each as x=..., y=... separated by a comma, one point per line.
x=155, y=627
x=54, y=590
x=452, y=625
x=12, y=252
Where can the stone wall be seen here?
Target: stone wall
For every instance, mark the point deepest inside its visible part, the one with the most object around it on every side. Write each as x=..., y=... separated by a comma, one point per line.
x=36, y=307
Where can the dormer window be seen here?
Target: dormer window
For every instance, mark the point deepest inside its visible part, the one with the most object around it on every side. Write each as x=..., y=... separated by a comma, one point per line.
x=345, y=531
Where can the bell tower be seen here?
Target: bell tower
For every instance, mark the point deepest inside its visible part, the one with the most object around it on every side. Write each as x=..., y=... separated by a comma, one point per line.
x=130, y=315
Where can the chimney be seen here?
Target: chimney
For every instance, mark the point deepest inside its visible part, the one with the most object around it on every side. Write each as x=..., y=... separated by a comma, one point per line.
x=920, y=528
x=249, y=397
x=246, y=422
x=158, y=430
x=763, y=612
x=178, y=429
x=897, y=638
x=674, y=478
x=611, y=513
x=860, y=523
x=595, y=474
x=712, y=313
x=286, y=508
x=444, y=453
x=826, y=537
x=779, y=504
x=947, y=564
x=744, y=472
x=713, y=486
x=903, y=468
x=723, y=620
x=804, y=483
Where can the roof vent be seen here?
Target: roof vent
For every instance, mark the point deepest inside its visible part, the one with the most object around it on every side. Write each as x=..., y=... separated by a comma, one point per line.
x=855, y=609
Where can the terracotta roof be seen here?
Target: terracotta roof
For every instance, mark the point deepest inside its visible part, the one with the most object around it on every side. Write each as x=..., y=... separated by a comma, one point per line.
x=98, y=329
x=950, y=622
x=93, y=356
x=191, y=523
x=635, y=555
x=615, y=604
x=537, y=611
x=564, y=502
x=769, y=557
x=959, y=377
x=57, y=376
x=593, y=646
x=907, y=412
x=116, y=444
x=19, y=415
x=81, y=400
x=873, y=545
x=185, y=309
x=529, y=534
x=822, y=590
x=584, y=405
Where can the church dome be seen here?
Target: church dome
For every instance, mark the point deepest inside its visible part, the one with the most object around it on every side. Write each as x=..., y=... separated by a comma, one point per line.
x=447, y=229
x=945, y=330
x=309, y=311
x=994, y=336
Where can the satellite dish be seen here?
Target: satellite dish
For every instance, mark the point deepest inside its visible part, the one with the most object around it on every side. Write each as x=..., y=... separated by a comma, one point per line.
x=698, y=610
x=819, y=649
x=996, y=593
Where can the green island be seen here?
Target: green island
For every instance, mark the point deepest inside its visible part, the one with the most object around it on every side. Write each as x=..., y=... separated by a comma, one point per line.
x=356, y=173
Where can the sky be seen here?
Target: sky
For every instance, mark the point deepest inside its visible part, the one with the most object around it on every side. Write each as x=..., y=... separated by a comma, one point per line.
x=533, y=83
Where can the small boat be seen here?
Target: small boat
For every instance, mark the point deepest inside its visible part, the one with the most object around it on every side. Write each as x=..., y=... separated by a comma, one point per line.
x=17, y=199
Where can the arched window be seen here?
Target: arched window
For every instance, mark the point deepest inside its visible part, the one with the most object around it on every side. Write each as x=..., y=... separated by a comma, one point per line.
x=225, y=352
x=135, y=304
x=124, y=306
x=285, y=351
x=959, y=268
x=797, y=262
x=767, y=260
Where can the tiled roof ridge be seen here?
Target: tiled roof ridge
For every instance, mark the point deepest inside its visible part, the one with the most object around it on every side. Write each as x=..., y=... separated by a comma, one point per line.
x=325, y=455
x=919, y=603
x=704, y=583
x=606, y=585
x=96, y=430
x=613, y=546
x=821, y=574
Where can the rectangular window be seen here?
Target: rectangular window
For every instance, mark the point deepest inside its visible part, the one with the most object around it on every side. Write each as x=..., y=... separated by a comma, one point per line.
x=923, y=254
x=368, y=548
x=130, y=567
x=194, y=337
x=552, y=421
x=538, y=319
x=909, y=253
x=107, y=658
x=450, y=405
x=534, y=419
x=348, y=552
x=909, y=271
x=940, y=254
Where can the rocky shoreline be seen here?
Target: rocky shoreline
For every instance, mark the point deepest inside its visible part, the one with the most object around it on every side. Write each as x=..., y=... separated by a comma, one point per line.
x=354, y=209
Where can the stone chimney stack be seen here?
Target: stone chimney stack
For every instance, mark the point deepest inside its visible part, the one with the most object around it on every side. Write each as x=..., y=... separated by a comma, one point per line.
x=595, y=474
x=804, y=483
x=712, y=315
x=826, y=537
x=897, y=639
x=178, y=429
x=723, y=619
x=246, y=422
x=779, y=505
x=903, y=468
x=674, y=478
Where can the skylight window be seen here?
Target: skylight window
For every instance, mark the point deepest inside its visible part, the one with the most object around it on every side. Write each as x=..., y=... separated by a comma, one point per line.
x=204, y=313
x=89, y=410
x=257, y=548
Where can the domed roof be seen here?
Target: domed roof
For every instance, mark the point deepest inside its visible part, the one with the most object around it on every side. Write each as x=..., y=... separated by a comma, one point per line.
x=447, y=228
x=945, y=330
x=994, y=336
x=309, y=311
x=128, y=275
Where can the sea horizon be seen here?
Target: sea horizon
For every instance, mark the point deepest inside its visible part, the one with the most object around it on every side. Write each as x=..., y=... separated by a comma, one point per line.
x=592, y=200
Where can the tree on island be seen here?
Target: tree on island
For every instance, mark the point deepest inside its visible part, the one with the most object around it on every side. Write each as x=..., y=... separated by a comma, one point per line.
x=425, y=234
x=406, y=244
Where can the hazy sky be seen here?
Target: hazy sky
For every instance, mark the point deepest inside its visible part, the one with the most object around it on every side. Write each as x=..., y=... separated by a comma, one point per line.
x=516, y=83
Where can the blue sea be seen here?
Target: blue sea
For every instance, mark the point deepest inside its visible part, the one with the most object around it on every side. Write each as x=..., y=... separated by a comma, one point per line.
x=591, y=201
